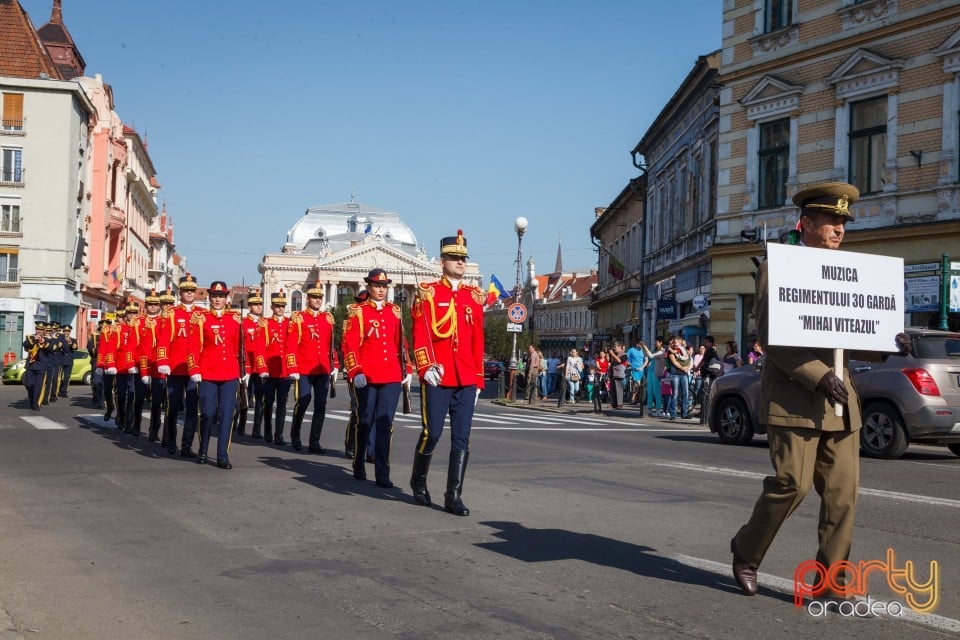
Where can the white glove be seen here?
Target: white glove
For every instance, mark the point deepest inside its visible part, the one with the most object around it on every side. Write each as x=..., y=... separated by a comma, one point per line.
x=145, y=379
x=477, y=397
x=99, y=371
x=264, y=375
x=163, y=370
x=132, y=370
x=406, y=380
x=432, y=376
x=294, y=376
x=245, y=378
x=111, y=371
x=334, y=374
x=197, y=377
x=359, y=381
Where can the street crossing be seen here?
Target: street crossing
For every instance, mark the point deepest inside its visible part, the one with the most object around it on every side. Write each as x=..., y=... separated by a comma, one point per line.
x=519, y=421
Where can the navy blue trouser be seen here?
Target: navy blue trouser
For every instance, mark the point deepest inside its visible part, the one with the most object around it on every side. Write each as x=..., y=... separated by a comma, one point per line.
x=217, y=402
x=376, y=406
x=124, y=408
x=317, y=386
x=65, y=372
x=438, y=402
x=182, y=394
x=33, y=383
x=275, y=390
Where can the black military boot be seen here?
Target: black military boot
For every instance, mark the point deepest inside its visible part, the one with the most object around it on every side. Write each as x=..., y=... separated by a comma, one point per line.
x=267, y=426
x=295, y=429
x=451, y=499
x=418, y=479
x=154, y=431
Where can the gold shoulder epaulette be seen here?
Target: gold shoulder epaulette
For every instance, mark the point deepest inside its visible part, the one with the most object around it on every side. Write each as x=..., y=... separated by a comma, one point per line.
x=478, y=296
x=329, y=318
x=353, y=310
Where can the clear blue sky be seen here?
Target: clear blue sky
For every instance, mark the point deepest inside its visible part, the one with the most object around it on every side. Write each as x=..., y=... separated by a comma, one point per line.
x=454, y=114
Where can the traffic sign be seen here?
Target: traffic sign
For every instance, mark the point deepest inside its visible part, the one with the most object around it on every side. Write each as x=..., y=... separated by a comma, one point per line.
x=517, y=312
x=513, y=327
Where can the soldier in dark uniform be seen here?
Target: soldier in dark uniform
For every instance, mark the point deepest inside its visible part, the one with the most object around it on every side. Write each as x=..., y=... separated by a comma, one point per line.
x=38, y=352
x=96, y=380
x=51, y=379
x=448, y=351
x=69, y=345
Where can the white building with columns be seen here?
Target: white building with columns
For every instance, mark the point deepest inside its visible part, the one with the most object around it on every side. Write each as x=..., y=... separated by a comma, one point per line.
x=338, y=245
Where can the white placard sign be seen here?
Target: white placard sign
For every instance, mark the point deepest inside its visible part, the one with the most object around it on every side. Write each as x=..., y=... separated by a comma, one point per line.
x=833, y=299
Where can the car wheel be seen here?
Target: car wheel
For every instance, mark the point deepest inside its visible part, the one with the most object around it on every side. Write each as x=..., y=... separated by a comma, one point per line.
x=87, y=378
x=882, y=434
x=732, y=421
x=955, y=448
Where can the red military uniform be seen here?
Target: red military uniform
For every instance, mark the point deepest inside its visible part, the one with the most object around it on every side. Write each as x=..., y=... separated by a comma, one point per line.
x=107, y=346
x=214, y=346
x=249, y=329
x=372, y=342
x=269, y=346
x=172, y=341
x=308, y=346
x=149, y=329
x=128, y=348
x=448, y=331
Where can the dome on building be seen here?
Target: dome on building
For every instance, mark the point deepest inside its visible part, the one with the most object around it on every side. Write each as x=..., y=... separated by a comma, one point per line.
x=334, y=227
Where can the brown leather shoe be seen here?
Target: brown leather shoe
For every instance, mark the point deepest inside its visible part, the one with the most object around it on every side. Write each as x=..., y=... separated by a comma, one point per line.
x=743, y=573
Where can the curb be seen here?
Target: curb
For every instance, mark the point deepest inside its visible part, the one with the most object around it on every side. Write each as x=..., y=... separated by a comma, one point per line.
x=550, y=406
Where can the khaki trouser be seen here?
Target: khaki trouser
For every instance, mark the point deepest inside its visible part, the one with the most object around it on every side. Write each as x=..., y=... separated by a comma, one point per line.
x=827, y=460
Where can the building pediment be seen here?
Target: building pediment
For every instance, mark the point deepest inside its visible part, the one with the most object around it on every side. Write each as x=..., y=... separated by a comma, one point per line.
x=363, y=258
x=771, y=97
x=866, y=72
x=950, y=52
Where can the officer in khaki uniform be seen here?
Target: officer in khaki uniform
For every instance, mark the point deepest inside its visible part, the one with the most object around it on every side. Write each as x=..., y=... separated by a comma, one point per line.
x=809, y=444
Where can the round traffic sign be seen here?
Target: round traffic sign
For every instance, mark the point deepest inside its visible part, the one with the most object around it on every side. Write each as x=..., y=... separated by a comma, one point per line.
x=517, y=312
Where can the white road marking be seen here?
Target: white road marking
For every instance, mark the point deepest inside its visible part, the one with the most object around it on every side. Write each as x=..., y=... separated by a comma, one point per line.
x=39, y=422
x=786, y=586
x=878, y=493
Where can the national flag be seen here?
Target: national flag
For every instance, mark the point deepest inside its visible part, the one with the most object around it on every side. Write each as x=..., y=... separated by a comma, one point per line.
x=368, y=228
x=492, y=295
x=502, y=290
x=615, y=268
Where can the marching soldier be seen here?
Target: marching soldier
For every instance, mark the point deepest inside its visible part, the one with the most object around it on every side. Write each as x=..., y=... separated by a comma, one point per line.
x=215, y=363
x=309, y=355
x=271, y=367
x=68, y=346
x=448, y=350
x=38, y=352
x=250, y=324
x=127, y=367
x=151, y=382
x=373, y=362
x=182, y=393
x=167, y=300
x=350, y=434
x=107, y=362
x=51, y=378
x=97, y=378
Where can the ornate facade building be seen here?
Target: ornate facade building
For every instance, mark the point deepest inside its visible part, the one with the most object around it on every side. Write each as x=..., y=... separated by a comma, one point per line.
x=865, y=92
x=339, y=244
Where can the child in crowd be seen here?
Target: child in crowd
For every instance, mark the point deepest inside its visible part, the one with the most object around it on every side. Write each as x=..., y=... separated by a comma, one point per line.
x=593, y=388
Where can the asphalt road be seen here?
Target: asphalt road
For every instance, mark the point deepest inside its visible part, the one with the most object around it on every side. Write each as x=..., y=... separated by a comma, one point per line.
x=582, y=525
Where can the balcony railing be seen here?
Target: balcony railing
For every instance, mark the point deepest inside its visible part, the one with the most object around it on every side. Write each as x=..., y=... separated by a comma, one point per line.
x=11, y=125
x=9, y=276
x=12, y=176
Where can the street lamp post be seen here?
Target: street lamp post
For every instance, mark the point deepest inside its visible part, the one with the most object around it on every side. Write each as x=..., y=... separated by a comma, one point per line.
x=520, y=226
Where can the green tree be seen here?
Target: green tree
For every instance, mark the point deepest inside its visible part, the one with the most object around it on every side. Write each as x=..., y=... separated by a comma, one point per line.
x=498, y=342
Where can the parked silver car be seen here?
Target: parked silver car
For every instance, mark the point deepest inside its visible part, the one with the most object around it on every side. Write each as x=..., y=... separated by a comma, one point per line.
x=913, y=399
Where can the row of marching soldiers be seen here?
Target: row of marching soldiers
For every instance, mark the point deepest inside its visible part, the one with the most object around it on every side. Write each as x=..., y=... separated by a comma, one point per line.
x=49, y=363
x=200, y=361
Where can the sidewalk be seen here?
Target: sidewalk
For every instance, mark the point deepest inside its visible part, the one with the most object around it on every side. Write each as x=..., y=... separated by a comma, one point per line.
x=585, y=408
